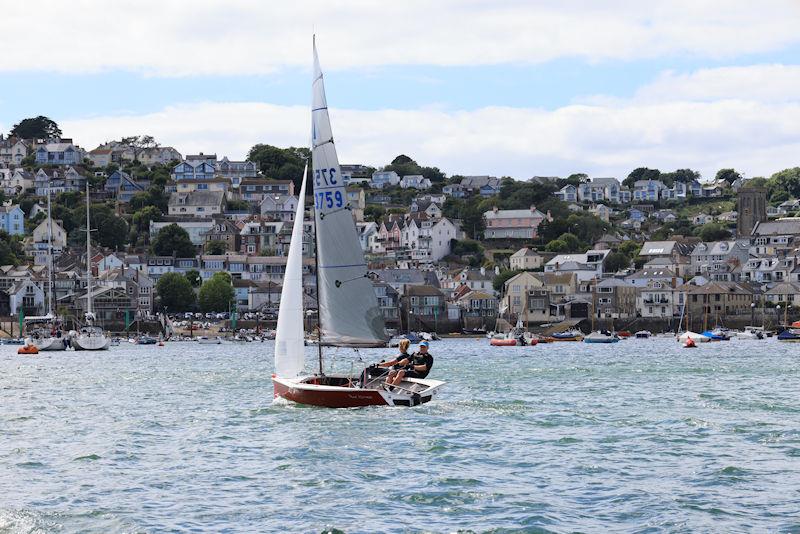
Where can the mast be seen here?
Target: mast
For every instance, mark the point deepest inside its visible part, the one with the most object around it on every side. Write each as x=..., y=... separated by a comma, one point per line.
x=594, y=298
x=49, y=255
x=89, y=314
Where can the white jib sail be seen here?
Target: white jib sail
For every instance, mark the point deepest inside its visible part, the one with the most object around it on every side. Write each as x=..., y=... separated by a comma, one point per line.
x=289, y=346
x=348, y=308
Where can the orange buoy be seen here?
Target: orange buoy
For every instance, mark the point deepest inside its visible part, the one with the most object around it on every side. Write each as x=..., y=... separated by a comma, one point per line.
x=690, y=344
x=28, y=349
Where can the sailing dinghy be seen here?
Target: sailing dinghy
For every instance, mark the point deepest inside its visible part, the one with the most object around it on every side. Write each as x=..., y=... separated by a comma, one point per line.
x=349, y=314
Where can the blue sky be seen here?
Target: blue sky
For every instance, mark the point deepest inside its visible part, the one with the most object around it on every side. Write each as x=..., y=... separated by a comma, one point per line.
x=594, y=87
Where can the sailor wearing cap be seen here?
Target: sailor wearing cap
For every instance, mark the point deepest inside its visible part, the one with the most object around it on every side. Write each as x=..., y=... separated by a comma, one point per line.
x=418, y=367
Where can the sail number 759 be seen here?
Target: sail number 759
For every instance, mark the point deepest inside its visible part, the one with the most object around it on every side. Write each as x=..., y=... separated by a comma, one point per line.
x=327, y=199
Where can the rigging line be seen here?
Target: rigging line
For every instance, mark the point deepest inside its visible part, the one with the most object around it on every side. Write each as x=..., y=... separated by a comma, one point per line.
x=319, y=109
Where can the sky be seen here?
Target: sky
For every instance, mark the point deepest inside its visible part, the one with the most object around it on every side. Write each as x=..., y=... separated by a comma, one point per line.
x=502, y=87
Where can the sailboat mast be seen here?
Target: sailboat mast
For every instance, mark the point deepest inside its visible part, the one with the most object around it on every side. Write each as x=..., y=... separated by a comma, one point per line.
x=88, y=258
x=49, y=255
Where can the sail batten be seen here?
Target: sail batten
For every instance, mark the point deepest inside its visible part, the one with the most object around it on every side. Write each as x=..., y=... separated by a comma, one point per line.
x=348, y=308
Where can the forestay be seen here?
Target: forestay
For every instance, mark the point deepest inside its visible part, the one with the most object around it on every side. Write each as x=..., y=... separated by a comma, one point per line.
x=349, y=311
x=289, y=345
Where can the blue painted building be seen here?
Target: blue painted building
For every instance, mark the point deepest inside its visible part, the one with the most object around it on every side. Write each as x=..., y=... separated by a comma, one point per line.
x=194, y=170
x=122, y=186
x=12, y=220
x=59, y=153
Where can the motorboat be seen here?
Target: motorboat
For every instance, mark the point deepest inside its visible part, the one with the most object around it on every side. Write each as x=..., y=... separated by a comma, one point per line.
x=751, y=332
x=601, y=336
x=643, y=334
x=206, y=340
x=622, y=334
x=697, y=338
x=717, y=334
x=412, y=337
x=146, y=340
x=790, y=334
x=14, y=341
x=349, y=314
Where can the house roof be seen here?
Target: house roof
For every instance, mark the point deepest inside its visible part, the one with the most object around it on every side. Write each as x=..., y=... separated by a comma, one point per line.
x=785, y=226
x=720, y=248
x=525, y=251
x=424, y=290
x=480, y=181
x=514, y=214
x=784, y=288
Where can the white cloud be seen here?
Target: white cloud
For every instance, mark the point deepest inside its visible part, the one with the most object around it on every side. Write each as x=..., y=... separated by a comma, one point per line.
x=178, y=37
x=757, y=138
x=763, y=83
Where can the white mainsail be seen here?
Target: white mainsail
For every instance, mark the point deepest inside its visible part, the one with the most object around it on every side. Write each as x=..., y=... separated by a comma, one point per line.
x=289, y=346
x=348, y=308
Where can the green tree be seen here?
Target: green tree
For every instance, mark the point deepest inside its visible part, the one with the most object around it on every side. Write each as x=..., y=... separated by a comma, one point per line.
x=616, y=261
x=173, y=238
x=36, y=128
x=175, y=293
x=374, y=213
x=281, y=163
x=216, y=294
x=472, y=221
x=729, y=175
x=238, y=205
x=139, y=143
x=557, y=246
x=216, y=248
x=143, y=217
x=499, y=281
x=713, y=232
x=630, y=248
x=193, y=276
x=11, y=249
x=787, y=180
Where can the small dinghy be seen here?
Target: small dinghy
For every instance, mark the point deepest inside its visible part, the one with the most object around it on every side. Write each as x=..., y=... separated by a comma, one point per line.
x=690, y=344
x=790, y=334
x=601, y=336
x=643, y=334
x=567, y=335
x=349, y=313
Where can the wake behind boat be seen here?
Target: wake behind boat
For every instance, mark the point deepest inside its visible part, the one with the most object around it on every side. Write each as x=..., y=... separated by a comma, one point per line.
x=349, y=314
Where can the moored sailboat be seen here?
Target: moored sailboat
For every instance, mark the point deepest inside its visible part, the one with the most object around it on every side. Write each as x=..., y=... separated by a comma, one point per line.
x=90, y=336
x=349, y=314
x=46, y=332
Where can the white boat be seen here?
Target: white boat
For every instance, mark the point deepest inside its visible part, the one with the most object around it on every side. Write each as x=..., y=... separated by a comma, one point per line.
x=751, y=332
x=46, y=332
x=643, y=334
x=697, y=338
x=90, y=336
x=349, y=314
x=205, y=340
x=601, y=336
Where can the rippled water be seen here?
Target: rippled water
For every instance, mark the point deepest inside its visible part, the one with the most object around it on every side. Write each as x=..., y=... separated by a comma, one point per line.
x=638, y=436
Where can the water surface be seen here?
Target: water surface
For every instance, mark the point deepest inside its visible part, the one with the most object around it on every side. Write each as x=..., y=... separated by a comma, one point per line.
x=641, y=436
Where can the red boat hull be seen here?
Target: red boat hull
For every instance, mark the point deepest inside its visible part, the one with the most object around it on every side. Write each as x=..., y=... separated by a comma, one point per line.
x=503, y=342
x=330, y=399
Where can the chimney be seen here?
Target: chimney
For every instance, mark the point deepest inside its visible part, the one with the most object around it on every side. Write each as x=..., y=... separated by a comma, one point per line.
x=494, y=209
x=483, y=270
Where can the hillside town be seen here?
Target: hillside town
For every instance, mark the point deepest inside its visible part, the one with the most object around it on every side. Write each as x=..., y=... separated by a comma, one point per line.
x=445, y=253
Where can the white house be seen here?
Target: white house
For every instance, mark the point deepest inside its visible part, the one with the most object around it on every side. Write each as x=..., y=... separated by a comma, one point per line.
x=585, y=266
x=382, y=179
x=279, y=207
x=26, y=295
x=415, y=181
x=702, y=218
x=196, y=203
x=525, y=259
